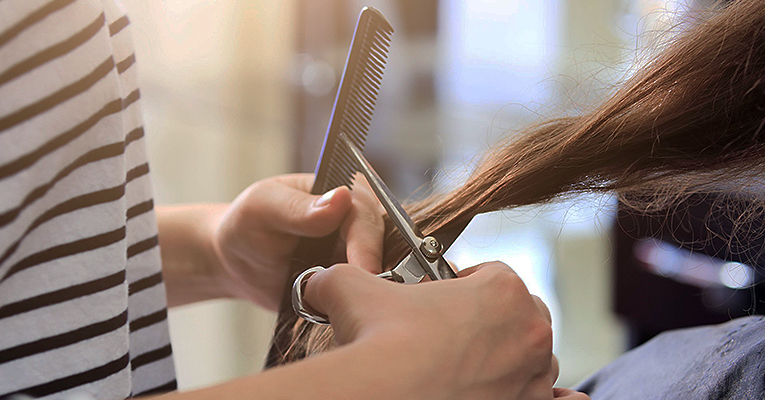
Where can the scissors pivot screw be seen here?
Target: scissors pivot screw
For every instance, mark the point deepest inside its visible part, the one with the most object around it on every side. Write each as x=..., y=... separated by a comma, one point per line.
x=431, y=248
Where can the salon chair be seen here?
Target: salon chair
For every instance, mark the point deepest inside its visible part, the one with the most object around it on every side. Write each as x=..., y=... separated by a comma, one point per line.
x=679, y=268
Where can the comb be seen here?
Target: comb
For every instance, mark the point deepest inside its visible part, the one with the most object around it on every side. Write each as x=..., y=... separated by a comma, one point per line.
x=355, y=100
x=351, y=115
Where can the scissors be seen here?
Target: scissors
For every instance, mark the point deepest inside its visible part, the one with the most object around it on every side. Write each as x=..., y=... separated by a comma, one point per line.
x=425, y=259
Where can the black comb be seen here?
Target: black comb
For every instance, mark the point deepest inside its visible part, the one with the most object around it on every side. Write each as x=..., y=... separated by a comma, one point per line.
x=355, y=100
x=351, y=115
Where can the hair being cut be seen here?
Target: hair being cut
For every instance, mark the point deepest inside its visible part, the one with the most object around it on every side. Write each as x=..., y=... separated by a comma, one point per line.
x=690, y=120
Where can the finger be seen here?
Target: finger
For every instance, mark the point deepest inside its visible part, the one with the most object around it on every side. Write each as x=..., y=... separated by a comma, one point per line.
x=483, y=266
x=542, y=308
x=568, y=394
x=555, y=369
x=341, y=288
x=282, y=208
x=301, y=181
x=349, y=296
x=363, y=229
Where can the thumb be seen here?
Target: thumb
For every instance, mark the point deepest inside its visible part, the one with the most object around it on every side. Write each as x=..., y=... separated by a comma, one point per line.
x=285, y=209
x=348, y=295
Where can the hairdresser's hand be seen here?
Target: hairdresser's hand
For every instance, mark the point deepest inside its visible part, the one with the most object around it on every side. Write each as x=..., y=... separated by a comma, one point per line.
x=258, y=233
x=478, y=337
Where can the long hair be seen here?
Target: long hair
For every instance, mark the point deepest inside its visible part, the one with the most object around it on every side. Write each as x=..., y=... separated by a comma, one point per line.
x=690, y=120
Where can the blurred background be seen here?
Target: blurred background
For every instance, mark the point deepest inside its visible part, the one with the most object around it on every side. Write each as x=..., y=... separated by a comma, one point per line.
x=239, y=90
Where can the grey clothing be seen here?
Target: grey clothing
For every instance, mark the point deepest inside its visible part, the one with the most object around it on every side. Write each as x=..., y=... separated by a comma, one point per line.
x=724, y=361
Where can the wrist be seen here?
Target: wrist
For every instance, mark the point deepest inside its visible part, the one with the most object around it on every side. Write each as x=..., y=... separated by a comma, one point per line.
x=368, y=369
x=190, y=265
x=405, y=363
x=363, y=370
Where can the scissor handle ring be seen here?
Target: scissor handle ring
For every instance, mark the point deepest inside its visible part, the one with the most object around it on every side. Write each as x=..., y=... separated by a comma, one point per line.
x=302, y=309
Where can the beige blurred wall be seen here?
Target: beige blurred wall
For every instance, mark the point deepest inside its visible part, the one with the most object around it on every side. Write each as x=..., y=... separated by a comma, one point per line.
x=216, y=113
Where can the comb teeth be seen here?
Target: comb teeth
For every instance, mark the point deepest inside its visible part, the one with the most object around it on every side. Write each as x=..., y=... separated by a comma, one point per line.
x=355, y=101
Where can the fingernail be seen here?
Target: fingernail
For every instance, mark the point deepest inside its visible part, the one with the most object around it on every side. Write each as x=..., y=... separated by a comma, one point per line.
x=325, y=199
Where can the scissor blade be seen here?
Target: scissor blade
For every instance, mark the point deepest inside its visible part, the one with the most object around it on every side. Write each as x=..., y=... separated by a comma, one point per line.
x=397, y=214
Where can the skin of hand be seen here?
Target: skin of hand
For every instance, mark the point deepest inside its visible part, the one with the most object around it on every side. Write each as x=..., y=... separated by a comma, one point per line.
x=482, y=336
x=568, y=394
x=256, y=236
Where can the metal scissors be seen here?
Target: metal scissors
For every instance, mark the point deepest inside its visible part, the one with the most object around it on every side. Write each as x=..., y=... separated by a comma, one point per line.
x=425, y=259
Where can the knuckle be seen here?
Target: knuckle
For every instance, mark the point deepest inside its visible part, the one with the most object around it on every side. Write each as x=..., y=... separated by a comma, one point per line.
x=327, y=283
x=368, y=215
x=501, y=295
x=337, y=286
x=364, y=198
x=294, y=206
x=250, y=199
x=333, y=278
x=540, y=336
x=555, y=369
x=502, y=280
x=541, y=305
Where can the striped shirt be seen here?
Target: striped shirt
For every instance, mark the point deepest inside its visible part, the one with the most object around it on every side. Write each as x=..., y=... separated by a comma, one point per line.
x=82, y=302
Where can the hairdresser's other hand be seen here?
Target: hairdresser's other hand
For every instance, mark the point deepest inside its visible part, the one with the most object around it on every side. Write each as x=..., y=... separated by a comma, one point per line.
x=258, y=233
x=478, y=337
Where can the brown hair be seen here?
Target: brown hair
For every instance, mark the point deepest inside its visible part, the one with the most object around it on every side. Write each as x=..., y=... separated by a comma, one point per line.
x=690, y=120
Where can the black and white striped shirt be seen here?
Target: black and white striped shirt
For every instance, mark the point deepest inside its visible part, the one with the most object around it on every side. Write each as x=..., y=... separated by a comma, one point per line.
x=82, y=303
